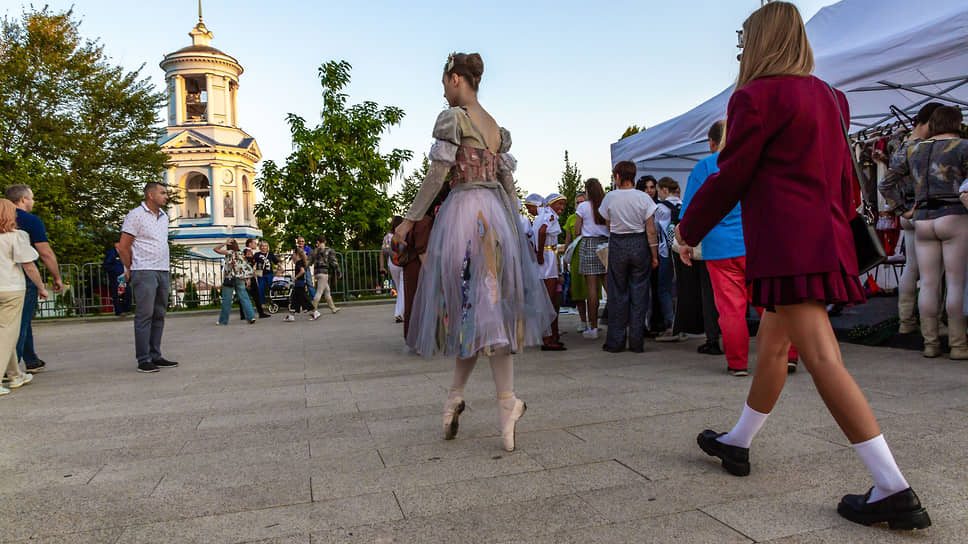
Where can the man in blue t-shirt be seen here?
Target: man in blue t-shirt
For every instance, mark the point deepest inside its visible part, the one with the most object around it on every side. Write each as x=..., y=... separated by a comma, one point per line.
x=724, y=252
x=23, y=198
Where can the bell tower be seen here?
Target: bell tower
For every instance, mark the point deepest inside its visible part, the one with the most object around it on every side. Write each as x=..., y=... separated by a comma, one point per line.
x=211, y=159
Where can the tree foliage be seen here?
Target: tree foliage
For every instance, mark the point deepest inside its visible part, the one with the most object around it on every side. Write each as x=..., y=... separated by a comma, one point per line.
x=569, y=186
x=634, y=129
x=78, y=130
x=411, y=184
x=335, y=181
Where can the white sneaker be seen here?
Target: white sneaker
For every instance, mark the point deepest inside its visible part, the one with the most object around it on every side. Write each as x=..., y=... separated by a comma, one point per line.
x=290, y=318
x=22, y=379
x=669, y=336
x=582, y=327
x=315, y=315
x=4, y=390
x=590, y=334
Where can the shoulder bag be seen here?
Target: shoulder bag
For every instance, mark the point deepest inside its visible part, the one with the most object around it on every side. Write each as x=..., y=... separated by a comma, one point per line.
x=867, y=244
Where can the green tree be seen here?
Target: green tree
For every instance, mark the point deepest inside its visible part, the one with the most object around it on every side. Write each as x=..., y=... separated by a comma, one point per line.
x=81, y=132
x=569, y=186
x=634, y=129
x=411, y=184
x=335, y=181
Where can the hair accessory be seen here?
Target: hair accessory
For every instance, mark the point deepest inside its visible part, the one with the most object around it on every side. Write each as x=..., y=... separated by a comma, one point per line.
x=450, y=62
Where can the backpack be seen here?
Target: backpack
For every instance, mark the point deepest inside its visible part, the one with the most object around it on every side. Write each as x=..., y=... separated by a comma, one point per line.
x=676, y=210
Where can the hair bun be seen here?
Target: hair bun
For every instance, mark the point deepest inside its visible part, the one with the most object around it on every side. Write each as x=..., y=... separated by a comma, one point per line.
x=475, y=65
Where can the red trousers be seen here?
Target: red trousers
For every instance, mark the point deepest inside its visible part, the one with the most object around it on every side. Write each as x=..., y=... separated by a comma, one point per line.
x=728, y=277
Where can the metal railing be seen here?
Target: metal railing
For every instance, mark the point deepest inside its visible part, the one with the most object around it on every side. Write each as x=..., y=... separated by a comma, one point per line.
x=196, y=283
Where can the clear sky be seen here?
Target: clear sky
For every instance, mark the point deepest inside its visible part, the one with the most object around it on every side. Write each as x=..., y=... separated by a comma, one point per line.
x=560, y=75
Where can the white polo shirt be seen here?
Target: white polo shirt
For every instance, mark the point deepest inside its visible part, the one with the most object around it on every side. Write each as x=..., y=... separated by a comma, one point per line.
x=150, y=248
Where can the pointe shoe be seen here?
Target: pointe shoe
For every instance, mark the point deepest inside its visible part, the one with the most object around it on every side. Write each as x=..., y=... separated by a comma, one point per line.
x=452, y=411
x=507, y=432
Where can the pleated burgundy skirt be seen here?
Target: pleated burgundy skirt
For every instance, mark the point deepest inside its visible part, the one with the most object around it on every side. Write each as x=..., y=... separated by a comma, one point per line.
x=826, y=287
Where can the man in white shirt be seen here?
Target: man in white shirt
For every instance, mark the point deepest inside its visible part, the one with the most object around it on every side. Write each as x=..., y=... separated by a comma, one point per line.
x=144, y=253
x=632, y=238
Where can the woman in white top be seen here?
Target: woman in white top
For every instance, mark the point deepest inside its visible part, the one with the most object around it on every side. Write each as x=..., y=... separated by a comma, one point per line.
x=396, y=272
x=16, y=259
x=594, y=231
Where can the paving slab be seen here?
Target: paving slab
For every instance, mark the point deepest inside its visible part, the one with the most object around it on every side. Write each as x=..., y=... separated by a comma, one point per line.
x=327, y=431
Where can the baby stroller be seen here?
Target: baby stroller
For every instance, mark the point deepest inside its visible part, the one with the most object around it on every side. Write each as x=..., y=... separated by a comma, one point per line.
x=280, y=292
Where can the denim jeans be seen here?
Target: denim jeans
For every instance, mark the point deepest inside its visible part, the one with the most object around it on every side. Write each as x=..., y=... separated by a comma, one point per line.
x=667, y=288
x=239, y=288
x=265, y=282
x=25, y=343
x=310, y=288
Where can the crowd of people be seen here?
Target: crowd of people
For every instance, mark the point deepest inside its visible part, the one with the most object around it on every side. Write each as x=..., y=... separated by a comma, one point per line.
x=474, y=275
x=493, y=278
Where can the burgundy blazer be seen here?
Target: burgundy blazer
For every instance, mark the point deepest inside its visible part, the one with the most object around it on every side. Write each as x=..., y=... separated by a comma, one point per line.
x=787, y=162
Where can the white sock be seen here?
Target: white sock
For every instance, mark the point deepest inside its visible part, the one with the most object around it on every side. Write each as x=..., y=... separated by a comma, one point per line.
x=746, y=428
x=888, y=479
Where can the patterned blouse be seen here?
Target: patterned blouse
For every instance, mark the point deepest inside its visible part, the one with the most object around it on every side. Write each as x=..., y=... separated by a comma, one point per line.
x=937, y=169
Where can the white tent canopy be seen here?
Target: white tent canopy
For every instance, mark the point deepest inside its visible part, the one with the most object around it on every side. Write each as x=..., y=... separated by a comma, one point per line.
x=880, y=52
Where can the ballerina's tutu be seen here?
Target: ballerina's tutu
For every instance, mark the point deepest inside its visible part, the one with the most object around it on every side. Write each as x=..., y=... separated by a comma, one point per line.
x=479, y=288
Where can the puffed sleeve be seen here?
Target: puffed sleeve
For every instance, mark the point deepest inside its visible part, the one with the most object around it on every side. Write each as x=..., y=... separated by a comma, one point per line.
x=443, y=155
x=23, y=252
x=506, y=164
x=447, y=136
x=737, y=162
x=897, y=173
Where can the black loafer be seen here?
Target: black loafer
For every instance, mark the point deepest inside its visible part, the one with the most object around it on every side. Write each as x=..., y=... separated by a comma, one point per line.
x=901, y=510
x=736, y=460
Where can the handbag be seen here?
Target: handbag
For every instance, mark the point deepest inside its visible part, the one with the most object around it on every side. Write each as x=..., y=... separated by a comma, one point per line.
x=867, y=244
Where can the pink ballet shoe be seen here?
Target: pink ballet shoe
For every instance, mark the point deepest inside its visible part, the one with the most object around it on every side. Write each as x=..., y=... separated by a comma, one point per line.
x=513, y=415
x=452, y=411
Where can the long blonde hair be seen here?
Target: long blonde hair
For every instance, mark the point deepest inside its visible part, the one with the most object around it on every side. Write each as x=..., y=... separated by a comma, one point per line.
x=775, y=43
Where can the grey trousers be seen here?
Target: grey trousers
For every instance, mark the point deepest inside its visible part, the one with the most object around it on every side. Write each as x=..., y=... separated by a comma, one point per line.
x=150, y=290
x=629, y=263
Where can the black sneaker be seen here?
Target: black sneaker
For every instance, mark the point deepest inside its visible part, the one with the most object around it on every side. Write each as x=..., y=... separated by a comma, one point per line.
x=709, y=348
x=738, y=372
x=147, y=366
x=610, y=349
x=165, y=363
x=792, y=367
x=34, y=367
x=736, y=460
x=901, y=510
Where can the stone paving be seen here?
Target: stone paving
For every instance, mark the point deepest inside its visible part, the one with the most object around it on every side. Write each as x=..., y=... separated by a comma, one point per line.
x=313, y=432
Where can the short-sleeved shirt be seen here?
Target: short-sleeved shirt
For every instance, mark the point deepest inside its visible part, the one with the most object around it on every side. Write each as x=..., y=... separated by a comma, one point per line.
x=15, y=250
x=725, y=240
x=570, y=225
x=33, y=226
x=627, y=210
x=663, y=218
x=150, y=248
x=589, y=228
